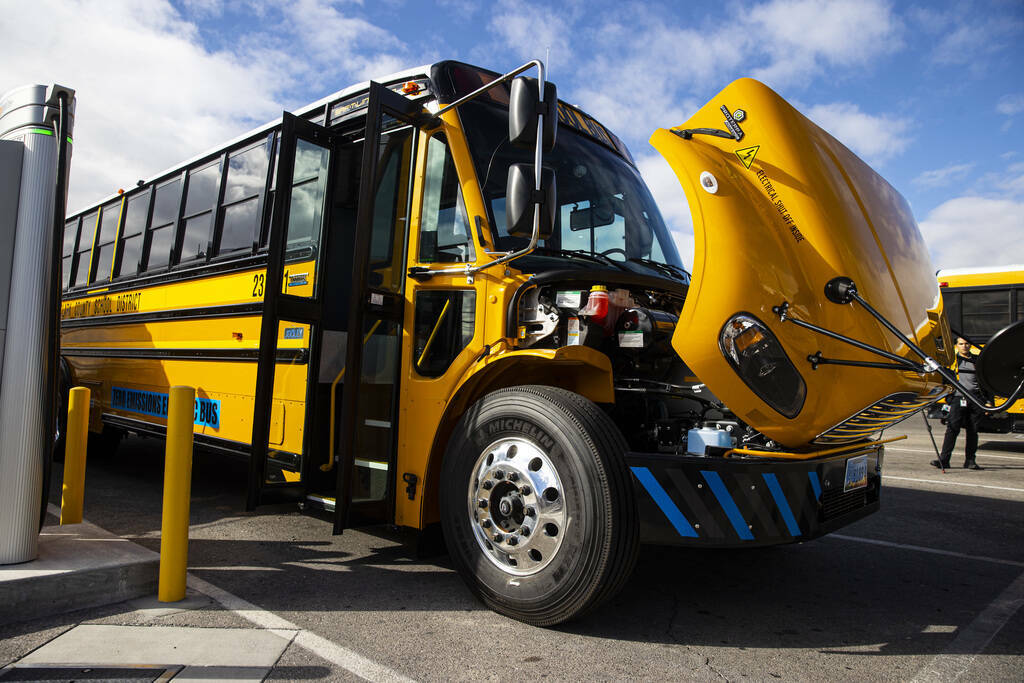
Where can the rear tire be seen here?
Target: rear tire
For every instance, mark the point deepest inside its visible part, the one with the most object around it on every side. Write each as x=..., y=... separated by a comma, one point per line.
x=537, y=504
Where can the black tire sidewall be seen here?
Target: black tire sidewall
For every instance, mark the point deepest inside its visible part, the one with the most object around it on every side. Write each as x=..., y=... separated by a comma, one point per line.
x=584, y=547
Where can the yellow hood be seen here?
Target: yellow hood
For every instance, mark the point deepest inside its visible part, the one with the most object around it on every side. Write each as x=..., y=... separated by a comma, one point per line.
x=791, y=209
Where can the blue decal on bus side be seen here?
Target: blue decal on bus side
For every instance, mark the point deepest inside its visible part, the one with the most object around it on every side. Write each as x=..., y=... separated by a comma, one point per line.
x=815, y=484
x=728, y=504
x=661, y=498
x=207, y=411
x=780, y=500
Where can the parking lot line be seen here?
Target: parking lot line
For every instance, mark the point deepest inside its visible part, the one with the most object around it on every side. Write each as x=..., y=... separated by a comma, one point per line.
x=952, y=483
x=925, y=549
x=982, y=452
x=972, y=641
x=322, y=647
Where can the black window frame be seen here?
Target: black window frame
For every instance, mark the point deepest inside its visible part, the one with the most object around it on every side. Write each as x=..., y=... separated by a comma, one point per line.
x=183, y=218
x=67, y=273
x=269, y=144
x=94, y=214
x=145, y=193
x=145, y=261
x=100, y=241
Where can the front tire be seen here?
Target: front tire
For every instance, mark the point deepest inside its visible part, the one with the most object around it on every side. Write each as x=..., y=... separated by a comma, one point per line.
x=537, y=504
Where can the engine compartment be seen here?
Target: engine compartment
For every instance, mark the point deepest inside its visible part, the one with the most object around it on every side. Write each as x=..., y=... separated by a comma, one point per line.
x=660, y=404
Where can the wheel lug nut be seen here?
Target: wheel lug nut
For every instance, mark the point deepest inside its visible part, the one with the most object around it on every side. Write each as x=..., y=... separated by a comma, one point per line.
x=486, y=524
x=483, y=503
x=498, y=538
x=512, y=540
x=528, y=512
x=513, y=476
x=498, y=474
x=525, y=490
x=525, y=531
x=488, y=484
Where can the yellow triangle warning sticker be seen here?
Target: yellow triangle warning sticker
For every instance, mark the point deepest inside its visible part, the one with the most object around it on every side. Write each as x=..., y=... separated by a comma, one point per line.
x=747, y=154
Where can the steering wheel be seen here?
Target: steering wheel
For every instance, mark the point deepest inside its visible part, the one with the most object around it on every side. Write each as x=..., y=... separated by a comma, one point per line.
x=614, y=250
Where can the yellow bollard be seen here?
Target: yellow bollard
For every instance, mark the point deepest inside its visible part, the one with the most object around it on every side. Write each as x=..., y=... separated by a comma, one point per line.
x=177, y=494
x=75, y=445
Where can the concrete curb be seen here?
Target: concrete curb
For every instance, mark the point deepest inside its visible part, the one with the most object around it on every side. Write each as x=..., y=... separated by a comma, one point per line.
x=79, y=566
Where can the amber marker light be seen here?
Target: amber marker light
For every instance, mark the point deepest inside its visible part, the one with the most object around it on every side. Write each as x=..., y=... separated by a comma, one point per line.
x=410, y=88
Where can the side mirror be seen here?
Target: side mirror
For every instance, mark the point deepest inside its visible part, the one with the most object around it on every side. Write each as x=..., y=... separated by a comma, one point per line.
x=520, y=200
x=523, y=107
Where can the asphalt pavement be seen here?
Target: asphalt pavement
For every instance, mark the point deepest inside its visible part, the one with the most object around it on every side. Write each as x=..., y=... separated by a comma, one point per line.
x=929, y=588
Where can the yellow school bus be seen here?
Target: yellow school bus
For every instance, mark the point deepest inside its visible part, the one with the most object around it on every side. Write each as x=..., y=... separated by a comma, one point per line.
x=979, y=303
x=448, y=299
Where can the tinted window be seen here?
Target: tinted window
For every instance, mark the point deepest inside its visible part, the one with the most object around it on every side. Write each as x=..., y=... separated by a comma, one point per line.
x=202, y=189
x=165, y=216
x=82, y=254
x=985, y=313
x=165, y=207
x=246, y=179
x=444, y=227
x=135, y=213
x=108, y=222
x=444, y=326
x=247, y=174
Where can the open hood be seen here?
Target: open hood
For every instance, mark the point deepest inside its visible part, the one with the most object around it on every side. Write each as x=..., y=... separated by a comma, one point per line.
x=777, y=213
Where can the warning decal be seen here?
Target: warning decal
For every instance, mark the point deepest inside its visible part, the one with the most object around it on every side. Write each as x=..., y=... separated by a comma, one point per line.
x=747, y=154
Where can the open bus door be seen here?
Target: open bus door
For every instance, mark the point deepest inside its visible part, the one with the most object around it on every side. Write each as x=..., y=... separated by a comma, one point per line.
x=337, y=242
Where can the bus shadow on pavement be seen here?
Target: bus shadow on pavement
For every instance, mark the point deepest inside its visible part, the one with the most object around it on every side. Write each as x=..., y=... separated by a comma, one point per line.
x=834, y=594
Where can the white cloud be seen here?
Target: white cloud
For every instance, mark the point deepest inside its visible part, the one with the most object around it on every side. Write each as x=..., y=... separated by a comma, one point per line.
x=529, y=31
x=940, y=177
x=671, y=200
x=1010, y=105
x=875, y=138
x=151, y=94
x=972, y=43
x=975, y=231
x=802, y=37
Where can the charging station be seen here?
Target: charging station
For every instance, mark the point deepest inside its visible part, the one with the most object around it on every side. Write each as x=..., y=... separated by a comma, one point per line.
x=36, y=123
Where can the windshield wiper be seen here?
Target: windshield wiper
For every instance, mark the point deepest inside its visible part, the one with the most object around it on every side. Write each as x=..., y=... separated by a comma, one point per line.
x=668, y=268
x=580, y=253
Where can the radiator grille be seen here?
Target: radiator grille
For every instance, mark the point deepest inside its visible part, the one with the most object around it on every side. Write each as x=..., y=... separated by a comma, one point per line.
x=882, y=415
x=836, y=503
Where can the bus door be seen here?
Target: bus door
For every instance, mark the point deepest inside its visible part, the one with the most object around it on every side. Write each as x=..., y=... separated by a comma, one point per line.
x=332, y=249
x=367, y=440
x=290, y=334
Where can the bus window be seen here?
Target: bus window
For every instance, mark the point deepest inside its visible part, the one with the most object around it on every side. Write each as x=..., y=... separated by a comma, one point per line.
x=444, y=326
x=444, y=227
x=951, y=304
x=84, y=251
x=203, y=186
x=985, y=313
x=161, y=231
x=1020, y=303
x=390, y=206
x=103, y=254
x=68, y=252
x=246, y=179
x=135, y=213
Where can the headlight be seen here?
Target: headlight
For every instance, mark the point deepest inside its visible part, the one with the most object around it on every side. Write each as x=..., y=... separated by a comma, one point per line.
x=758, y=358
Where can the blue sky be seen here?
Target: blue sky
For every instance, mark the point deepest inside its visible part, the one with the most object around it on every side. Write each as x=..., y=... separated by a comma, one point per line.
x=930, y=94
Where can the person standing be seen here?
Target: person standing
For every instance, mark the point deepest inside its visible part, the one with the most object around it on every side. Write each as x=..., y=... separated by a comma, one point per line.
x=963, y=413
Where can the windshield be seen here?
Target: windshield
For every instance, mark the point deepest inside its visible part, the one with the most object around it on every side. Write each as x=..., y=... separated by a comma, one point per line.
x=604, y=207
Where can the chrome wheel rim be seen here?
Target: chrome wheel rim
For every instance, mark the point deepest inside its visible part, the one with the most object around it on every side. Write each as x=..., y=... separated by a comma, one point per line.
x=516, y=506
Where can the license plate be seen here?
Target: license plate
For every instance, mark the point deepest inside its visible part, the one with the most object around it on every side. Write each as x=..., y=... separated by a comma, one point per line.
x=856, y=473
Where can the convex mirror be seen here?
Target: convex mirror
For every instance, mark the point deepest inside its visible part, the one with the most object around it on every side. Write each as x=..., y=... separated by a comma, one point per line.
x=520, y=200
x=524, y=106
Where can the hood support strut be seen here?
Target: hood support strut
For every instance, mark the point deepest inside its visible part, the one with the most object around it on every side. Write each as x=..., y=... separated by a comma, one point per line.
x=843, y=290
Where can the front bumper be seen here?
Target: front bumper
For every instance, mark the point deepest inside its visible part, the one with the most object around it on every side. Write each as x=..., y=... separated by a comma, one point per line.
x=737, y=502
